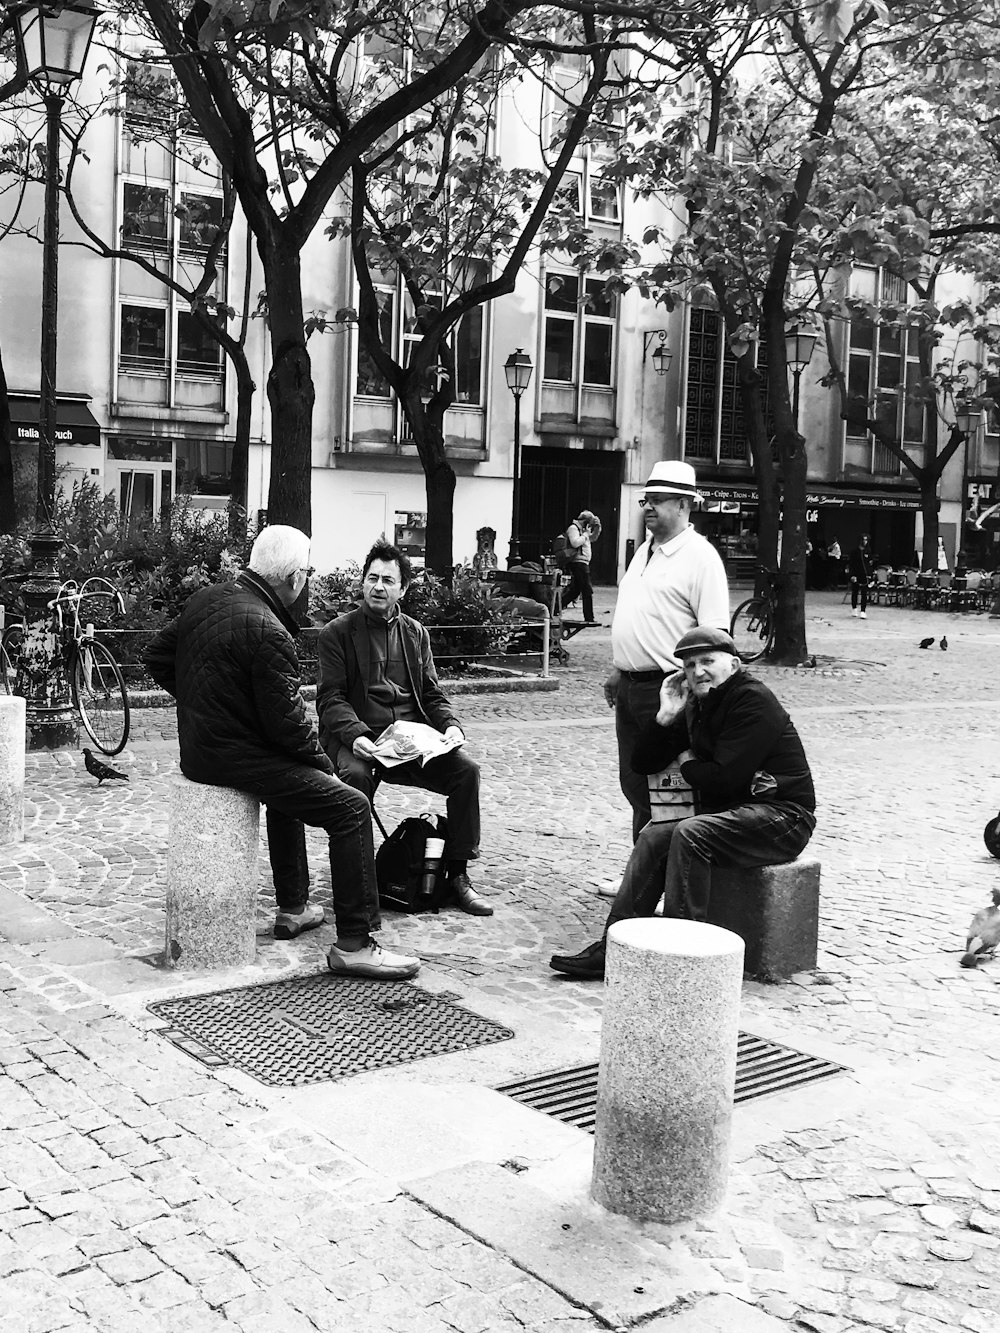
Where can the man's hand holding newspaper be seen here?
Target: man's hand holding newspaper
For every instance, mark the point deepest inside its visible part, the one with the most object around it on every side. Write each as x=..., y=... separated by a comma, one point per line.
x=402, y=742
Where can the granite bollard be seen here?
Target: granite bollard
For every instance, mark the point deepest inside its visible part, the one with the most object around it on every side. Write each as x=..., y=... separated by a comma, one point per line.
x=12, y=743
x=211, y=876
x=668, y=1069
x=775, y=911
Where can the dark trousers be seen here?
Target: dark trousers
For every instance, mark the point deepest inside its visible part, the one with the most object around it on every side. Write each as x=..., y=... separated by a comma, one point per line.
x=675, y=860
x=580, y=586
x=859, y=585
x=637, y=705
x=453, y=775
x=295, y=795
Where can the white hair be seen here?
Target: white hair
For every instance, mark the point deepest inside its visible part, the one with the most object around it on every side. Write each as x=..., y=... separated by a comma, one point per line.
x=278, y=552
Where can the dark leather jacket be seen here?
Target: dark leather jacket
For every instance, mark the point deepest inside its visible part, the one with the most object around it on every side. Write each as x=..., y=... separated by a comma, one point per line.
x=737, y=730
x=342, y=689
x=229, y=660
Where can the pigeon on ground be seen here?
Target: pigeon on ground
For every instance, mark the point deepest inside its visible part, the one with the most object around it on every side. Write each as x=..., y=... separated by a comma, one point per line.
x=984, y=933
x=943, y=645
x=99, y=770
x=925, y=643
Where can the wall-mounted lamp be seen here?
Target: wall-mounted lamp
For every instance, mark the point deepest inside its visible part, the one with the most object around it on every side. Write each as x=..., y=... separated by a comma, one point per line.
x=662, y=355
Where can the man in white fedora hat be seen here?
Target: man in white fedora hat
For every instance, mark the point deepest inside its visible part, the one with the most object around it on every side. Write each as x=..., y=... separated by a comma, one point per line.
x=676, y=580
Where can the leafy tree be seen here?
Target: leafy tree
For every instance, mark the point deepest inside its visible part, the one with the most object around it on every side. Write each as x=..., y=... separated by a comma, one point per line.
x=757, y=159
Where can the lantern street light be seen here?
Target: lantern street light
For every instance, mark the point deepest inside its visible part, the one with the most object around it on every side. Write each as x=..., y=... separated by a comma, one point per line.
x=800, y=343
x=517, y=369
x=662, y=355
x=52, y=45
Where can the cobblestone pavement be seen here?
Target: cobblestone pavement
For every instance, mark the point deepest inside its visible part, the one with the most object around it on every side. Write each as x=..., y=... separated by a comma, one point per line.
x=139, y=1190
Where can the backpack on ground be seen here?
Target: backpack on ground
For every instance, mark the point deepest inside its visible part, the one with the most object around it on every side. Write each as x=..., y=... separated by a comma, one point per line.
x=399, y=867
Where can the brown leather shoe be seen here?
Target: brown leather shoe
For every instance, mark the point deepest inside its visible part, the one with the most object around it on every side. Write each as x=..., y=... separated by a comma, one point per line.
x=467, y=898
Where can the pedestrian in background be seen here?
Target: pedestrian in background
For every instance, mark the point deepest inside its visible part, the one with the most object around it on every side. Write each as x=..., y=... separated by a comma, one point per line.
x=675, y=581
x=859, y=571
x=584, y=529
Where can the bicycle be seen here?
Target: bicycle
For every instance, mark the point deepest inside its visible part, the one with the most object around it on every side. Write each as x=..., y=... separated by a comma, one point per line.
x=752, y=625
x=96, y=683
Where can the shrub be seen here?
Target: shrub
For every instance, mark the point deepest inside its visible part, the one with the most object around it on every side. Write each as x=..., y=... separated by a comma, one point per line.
x=465, y=625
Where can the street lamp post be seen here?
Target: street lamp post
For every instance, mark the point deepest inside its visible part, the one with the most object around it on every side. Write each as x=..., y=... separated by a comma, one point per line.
x=967, y=420
x=799, y=346
x=52, y=46
x=517, y=369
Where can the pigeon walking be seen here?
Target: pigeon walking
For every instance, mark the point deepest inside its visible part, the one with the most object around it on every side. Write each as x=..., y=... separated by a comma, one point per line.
x=943, y=645
x=925, y=643
x=100, y=770
x=984, y=933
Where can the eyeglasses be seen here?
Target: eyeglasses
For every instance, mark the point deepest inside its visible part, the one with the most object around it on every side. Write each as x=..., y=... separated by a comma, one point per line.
x=309, y=572
x=654, y=500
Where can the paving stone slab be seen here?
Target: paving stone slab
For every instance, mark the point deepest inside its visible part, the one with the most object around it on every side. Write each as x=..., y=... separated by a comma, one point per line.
x=592, y=1258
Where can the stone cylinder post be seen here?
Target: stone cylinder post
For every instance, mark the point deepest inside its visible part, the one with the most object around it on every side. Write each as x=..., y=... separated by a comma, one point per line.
x=668, y=1069
x=12, y=745
x=211, y=876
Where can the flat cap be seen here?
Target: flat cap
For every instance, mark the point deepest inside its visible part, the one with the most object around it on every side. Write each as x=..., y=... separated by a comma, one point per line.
x=705, y=639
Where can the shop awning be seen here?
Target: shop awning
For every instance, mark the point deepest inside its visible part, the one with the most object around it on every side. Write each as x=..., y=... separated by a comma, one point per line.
x=75, y=423
x=827, y=497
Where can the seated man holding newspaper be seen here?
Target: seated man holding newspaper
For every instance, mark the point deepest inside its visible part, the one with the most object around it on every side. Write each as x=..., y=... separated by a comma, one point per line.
x=384, y=718
x=740, y=753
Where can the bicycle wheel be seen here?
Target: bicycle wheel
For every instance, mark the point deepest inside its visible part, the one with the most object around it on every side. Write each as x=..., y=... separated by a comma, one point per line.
x=10, y=655
x=99, y=695
x=751, y=629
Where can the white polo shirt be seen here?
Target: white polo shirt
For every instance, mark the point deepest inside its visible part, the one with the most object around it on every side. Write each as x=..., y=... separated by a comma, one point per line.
x=664, y=593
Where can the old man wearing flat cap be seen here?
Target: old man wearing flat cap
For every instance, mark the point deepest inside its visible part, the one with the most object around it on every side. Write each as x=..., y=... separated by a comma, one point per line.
x=675, y=581
x=741, y=754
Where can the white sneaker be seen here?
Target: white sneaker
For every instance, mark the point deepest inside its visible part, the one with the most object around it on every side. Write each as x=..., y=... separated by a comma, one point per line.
x=855, y=612
x=864, y=615
x=371, y=960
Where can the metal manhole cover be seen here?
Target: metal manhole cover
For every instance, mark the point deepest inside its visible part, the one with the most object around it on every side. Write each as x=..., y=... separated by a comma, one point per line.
x=762, y=1067
x=312, y=1029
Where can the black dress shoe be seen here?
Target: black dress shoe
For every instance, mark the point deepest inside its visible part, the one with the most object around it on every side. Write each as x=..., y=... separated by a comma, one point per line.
x=467, y=898
x=588, y=962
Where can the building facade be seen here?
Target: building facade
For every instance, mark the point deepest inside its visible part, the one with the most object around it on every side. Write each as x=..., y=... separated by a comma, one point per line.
x=147, y=402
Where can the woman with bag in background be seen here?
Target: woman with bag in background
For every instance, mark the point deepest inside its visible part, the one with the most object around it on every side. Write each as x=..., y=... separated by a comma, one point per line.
x=584, y=529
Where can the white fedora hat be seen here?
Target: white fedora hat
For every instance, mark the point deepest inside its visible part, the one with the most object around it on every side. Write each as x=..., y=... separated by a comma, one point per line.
x=669, y=477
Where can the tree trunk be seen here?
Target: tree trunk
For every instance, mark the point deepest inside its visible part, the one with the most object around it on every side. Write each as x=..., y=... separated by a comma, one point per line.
x=427, y=427
x=290, y=390
x=239, y=472
x=790, y=635
x=929, y=512
x=8, y=509
x=790, y=646
x=763, y=465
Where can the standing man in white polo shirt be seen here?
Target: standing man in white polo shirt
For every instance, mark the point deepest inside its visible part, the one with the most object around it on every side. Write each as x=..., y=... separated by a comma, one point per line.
x=676, y=581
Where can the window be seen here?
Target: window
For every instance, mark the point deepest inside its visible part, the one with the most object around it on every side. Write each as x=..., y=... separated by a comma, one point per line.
x=204, y=467
x=604, y=200
x=144, y=339
x=883, y=373
x=144, y=215
x=714, y=427
x=400, y=337
x=197, y=351
x=580, y=323
x=199, y=218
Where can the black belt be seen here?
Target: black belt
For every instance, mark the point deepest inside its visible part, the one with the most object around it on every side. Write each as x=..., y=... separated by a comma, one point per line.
x=642, y=675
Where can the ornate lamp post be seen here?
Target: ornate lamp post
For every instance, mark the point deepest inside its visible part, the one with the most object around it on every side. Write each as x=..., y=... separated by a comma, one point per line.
x=52, y=46
x=800, y=344
x=517, y=369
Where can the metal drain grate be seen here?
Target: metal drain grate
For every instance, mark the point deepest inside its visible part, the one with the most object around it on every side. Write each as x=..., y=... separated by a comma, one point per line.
x=762, y=1067
x=312, y=1029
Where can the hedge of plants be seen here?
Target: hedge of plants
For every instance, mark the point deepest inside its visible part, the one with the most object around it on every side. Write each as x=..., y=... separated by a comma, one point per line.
x=157, y=564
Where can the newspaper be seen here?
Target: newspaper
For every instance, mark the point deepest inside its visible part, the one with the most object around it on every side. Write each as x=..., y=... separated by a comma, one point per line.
x=402, y=742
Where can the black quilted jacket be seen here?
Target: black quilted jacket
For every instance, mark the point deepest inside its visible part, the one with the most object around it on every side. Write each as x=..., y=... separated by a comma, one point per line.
x=229, y=660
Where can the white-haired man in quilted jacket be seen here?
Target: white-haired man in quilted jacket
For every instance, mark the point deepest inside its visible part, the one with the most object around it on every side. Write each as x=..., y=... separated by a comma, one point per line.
x=229, y=660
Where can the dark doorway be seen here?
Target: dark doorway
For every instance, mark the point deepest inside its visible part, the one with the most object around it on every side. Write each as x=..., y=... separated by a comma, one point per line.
x=555, y=485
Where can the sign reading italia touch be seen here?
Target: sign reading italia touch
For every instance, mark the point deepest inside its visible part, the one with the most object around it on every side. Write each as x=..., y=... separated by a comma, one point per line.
x=75, y=423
